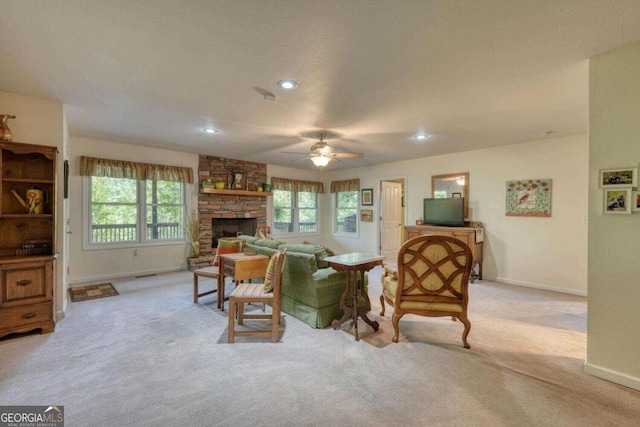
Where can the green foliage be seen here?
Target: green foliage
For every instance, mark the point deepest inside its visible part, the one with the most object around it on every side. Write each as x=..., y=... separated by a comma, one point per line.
x=195, y=232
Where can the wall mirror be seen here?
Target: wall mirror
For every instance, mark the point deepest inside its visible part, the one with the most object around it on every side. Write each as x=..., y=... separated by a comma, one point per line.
x=452, y=185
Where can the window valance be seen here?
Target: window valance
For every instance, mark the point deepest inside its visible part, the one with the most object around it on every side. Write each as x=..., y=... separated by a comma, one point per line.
x=346, y=185
x=285, y=184
x=93, y=166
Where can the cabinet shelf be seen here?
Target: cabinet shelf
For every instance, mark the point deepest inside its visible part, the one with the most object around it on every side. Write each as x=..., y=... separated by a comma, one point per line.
x=236, y=192
x=28, y=181
x=26, y=215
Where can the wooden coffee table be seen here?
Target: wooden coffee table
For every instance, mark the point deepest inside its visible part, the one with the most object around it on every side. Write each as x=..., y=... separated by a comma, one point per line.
x=239, y=267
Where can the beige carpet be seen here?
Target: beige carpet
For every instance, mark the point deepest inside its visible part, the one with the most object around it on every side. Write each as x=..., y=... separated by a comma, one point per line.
x=152, y=357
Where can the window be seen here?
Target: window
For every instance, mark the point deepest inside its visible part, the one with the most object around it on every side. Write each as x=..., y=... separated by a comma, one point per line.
x=346, y=212
x=129, y=211
x=295, y=212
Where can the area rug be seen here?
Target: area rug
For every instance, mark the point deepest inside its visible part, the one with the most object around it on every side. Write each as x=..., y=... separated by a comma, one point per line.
x=84, y=293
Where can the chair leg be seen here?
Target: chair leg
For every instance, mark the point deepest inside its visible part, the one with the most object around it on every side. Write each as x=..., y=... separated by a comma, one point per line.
x=240, y=313
x=395, y=320
x=382, y=304
x=195, y=288
x=232, y=312
x=275, y=323
x=467, y=328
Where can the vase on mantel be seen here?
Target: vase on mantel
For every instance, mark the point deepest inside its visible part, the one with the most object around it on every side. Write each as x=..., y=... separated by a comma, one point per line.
x=5, y=132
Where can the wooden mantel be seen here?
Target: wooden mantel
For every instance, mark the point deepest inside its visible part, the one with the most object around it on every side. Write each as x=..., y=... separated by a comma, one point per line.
x=236, y=192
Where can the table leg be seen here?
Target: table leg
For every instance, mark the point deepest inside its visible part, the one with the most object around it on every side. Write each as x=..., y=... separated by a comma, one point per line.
x=355, y=301
x=221, y=285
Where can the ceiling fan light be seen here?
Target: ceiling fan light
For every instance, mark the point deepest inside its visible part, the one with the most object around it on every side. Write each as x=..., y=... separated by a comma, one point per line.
x=288, y=84
x=321, y=161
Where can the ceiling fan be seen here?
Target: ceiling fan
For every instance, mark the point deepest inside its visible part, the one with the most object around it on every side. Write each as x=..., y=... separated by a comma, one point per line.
x=322, y=153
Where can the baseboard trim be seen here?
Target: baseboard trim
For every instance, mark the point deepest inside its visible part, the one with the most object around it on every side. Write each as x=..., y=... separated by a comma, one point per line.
x=543, y=287
x=613, y=376
x=85, y=280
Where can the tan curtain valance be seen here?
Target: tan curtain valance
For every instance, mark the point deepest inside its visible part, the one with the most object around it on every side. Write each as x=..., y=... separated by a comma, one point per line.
x=285, y=184
x=346, y=185
x=93, y=166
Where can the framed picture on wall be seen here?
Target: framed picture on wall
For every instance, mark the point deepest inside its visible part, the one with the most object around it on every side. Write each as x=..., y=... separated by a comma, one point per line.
x=367, y=197
x=635, y=201
x=237, y=180
x=617, y=201
x=619, y=177
x=366, y=215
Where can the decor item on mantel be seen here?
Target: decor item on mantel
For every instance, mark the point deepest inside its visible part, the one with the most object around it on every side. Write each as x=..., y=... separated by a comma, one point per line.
x=529, y=197
x=5, y=133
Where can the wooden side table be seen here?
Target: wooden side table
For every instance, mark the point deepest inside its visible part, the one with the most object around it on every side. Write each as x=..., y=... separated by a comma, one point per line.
x=355, y=265
x=239, y=267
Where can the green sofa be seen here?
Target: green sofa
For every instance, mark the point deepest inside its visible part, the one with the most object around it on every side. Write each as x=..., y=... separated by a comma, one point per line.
x=311, y=290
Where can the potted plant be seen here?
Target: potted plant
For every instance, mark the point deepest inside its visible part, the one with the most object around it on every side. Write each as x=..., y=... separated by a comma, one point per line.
x=195, y=233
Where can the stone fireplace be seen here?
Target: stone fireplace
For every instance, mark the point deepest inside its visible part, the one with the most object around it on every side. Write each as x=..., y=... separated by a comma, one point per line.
x=241, y=210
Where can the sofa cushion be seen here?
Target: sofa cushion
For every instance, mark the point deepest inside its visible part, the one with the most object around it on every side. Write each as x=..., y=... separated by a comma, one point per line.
x=308, y=248
x=247, y=239
x=268, y=243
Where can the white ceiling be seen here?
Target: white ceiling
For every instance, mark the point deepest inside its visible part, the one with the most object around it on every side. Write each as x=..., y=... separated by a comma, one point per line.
x=473, y=74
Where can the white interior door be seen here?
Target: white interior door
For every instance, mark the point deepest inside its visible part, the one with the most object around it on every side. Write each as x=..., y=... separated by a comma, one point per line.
x=390, y=221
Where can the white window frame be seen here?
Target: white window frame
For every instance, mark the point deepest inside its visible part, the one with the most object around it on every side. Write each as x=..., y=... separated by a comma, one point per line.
x=335, y=216
x=141, y=202
x=296, y=216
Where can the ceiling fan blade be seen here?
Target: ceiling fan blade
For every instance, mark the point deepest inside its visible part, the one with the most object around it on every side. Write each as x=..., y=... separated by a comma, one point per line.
x=300, y=160
x=294, y=152
x=348, y=155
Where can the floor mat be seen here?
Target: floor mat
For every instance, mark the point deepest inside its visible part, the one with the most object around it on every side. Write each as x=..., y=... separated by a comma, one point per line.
x=84, y=293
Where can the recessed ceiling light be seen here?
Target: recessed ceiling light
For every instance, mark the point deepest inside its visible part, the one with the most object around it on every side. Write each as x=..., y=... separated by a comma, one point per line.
x=288, y=84
x=421, y=136
x=210, y=130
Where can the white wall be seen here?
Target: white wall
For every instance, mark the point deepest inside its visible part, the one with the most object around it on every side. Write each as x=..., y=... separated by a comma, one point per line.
x=92, y=265
x=613, y=341
x=39, y=121
x=548, y=253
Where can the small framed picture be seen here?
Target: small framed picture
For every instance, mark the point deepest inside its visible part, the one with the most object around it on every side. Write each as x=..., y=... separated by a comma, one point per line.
x=366, y=215
x=618, y=201
x=635, y=201
x=456, y=195
x=237, y=180
x=619, y=178
x=367, y=197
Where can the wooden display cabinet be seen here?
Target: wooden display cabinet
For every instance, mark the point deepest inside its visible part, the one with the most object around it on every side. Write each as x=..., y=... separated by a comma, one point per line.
x=472, y=236
x=27, y=240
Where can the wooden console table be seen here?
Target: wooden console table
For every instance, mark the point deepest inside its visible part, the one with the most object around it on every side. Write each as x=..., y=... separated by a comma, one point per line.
x=239, y=267
x=472, y=236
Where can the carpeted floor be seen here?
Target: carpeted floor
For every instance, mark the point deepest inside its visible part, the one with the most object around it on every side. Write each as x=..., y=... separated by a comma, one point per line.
x=152, y=357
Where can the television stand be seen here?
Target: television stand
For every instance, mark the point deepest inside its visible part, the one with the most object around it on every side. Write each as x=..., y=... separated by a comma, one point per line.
x=472, y=235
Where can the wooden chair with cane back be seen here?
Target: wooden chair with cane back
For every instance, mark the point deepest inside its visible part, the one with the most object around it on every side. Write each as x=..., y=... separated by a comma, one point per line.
x=432, y=279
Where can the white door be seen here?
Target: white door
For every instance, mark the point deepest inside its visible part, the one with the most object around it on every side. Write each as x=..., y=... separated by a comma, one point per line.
x=390, y=221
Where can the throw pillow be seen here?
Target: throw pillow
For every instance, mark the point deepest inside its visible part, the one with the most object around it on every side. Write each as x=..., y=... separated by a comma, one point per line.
x=226, y=247
x=390, y=272
x=271, y=270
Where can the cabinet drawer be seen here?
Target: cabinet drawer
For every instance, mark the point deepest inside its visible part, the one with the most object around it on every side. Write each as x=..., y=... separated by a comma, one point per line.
x=25, y=315
x=26, y=283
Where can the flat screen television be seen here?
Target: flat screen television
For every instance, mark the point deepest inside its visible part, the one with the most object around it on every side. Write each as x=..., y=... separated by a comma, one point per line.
x=449, y=212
